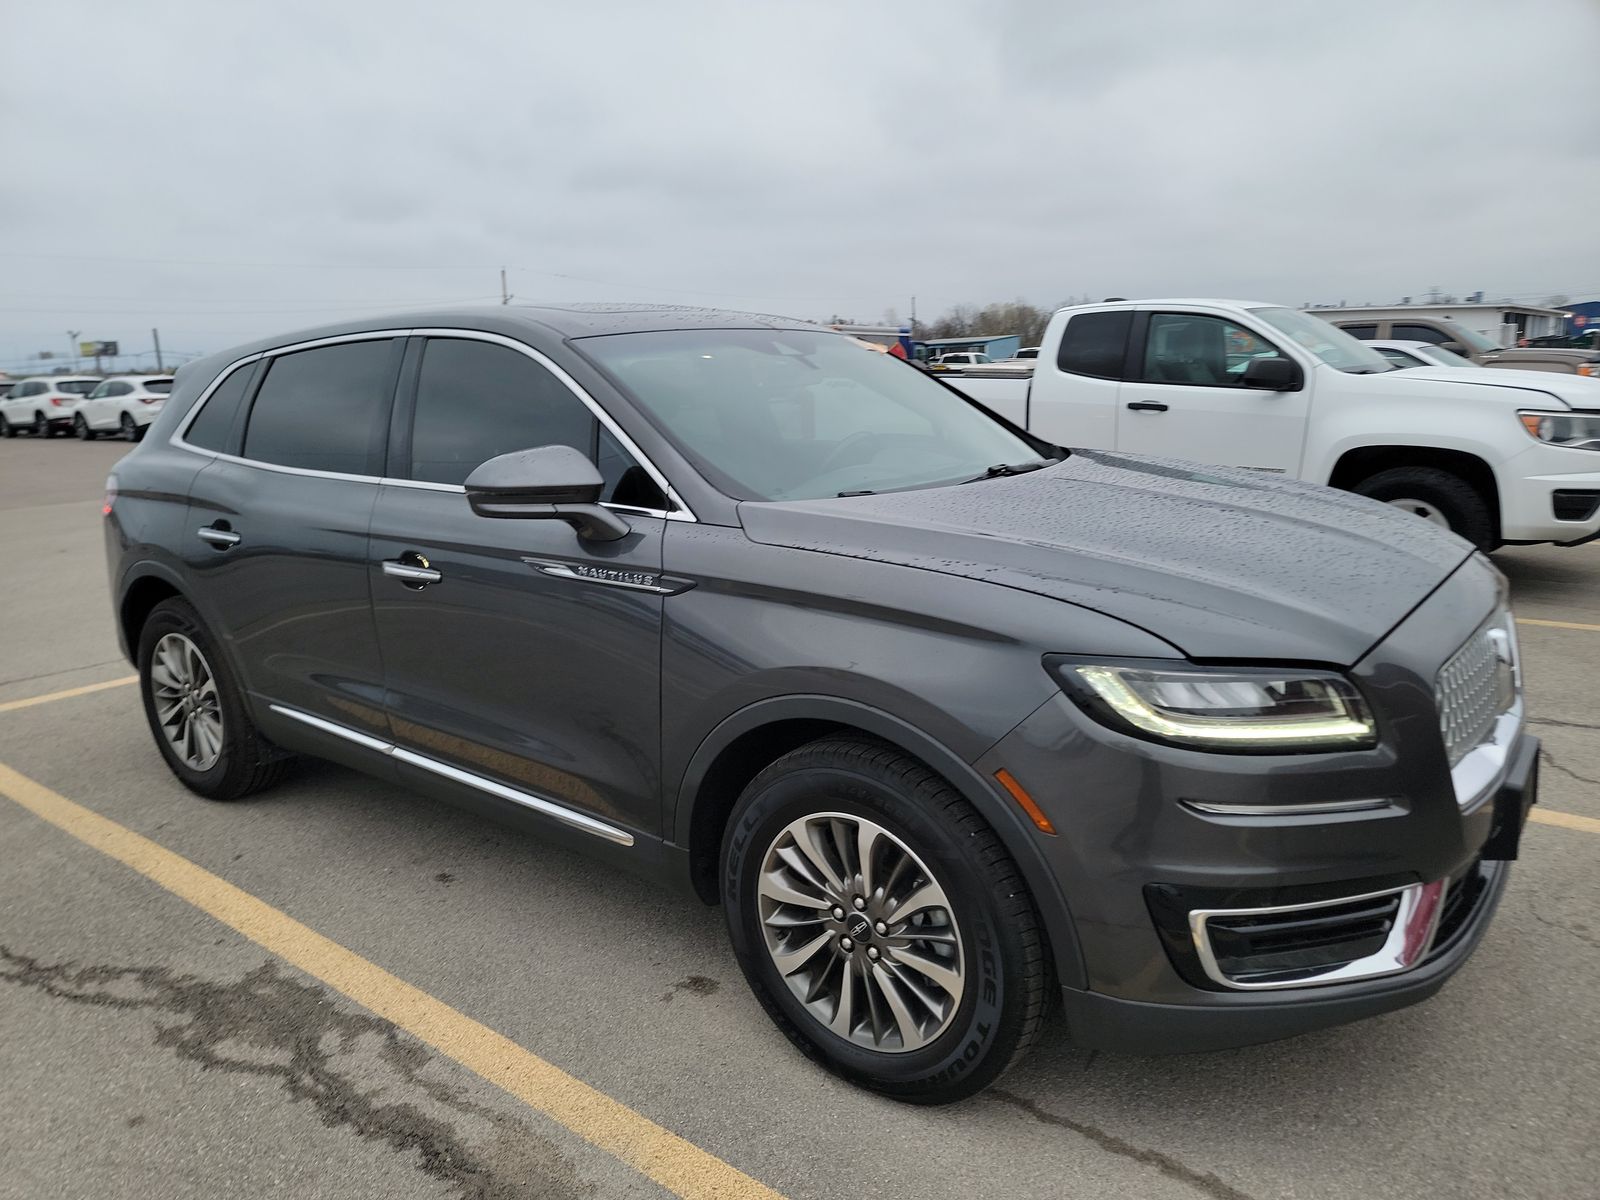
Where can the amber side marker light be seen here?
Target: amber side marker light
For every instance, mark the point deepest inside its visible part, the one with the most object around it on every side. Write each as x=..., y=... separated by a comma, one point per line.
x=1025, y=801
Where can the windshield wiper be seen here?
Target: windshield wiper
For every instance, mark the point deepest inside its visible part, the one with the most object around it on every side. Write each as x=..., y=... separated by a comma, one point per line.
x=1022, y=468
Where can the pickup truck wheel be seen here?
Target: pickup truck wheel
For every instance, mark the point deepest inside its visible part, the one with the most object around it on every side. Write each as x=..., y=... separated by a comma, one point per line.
x=196, y=710
x=1435, y=495
x=881, y=923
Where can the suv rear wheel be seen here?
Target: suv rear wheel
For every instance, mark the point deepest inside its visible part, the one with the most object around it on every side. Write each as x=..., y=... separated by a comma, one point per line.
x=881, y=923
x=196, y=711
x=1435, y=495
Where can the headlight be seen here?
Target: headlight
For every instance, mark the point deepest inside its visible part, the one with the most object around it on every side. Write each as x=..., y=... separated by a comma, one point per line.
x=1240, y=709
x=1578, y=430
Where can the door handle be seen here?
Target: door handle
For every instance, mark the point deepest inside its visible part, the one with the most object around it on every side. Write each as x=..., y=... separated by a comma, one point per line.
x=1147, y=406
x=222, y=539
x=411, y=569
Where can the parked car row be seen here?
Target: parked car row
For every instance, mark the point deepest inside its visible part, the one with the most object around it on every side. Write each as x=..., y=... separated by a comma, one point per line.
x=85, y=405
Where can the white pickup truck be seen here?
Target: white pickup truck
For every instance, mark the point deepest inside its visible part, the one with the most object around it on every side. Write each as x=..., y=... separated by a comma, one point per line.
x=1501, y=457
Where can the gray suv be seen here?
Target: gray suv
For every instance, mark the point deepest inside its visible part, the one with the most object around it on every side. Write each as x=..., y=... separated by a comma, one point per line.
x=953, y=723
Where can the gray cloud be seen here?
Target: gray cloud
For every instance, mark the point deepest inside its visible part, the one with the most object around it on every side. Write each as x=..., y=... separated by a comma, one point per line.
x=224, y=171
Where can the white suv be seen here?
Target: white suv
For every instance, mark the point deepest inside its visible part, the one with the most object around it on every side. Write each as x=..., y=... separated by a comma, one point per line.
x=44, y=406
x=123, y=405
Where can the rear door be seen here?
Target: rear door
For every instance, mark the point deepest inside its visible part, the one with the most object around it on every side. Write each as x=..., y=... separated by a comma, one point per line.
x=278, y=525
x=529, y=667
x=1184, y=396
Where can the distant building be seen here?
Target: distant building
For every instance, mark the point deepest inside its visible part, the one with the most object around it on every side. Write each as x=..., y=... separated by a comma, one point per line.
x=1505, y=323
x=996, y=346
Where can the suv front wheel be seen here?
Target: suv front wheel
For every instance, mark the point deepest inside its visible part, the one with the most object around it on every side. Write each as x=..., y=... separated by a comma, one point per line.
x=881, y=922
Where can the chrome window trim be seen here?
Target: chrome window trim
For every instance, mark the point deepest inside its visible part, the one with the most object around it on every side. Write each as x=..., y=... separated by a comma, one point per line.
x=681, y=513
x=1389, y=959
x=539, y=804
x=1325, y=807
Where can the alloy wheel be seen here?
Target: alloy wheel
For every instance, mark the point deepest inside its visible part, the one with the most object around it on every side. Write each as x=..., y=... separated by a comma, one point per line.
x=861, y=932
x=1422, y=508
x=187, y=706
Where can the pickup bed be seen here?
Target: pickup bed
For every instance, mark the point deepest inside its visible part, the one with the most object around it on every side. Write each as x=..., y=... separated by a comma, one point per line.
x=1500, y=457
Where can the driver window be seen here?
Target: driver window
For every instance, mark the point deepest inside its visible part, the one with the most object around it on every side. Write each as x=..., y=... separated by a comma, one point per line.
x=476, y=400
x=1199, y=350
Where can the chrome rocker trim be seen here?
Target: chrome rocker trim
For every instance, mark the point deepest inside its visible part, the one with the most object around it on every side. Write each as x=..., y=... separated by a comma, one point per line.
x=549, y=808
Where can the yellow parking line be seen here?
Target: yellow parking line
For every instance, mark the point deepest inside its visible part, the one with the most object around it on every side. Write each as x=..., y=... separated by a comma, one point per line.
x=1558, y=624
x=13, y=705
x=656, y=1153
x=1566, y=820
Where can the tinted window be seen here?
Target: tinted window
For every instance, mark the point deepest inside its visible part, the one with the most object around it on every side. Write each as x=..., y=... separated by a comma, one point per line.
x=78, y=387
x=161, y=387
x=118, y=389
x=103, y=390
x=476, y=400
x=1418, y=333
x=626, y=481
x=321, y=409
x=1095, y=343
x=210, y=430
x=1365, y=332
x=1189, y=348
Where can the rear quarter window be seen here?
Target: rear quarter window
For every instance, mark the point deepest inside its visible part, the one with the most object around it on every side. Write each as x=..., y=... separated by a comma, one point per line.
x=212, y=429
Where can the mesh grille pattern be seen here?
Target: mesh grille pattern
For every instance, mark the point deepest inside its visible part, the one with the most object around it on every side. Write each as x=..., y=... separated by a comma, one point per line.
x=1474, y=687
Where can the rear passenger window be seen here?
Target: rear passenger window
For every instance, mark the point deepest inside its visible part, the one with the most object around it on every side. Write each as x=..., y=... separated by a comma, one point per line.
x=323, y=409
x=1365, y=333
x=1095, y=344
x=1418, y=333
x=211, y=429
x=476, y=400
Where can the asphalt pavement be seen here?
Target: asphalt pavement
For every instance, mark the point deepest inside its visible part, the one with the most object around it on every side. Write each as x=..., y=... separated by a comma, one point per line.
x=152, y=1045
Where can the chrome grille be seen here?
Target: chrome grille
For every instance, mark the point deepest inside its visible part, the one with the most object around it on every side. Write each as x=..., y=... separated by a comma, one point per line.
x=1475, y=685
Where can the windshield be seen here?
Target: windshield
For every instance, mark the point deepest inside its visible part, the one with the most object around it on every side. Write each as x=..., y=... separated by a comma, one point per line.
x=795, y=415
x=77, y=387
x=1332, y=345
x=1472, y=338
x=1445, y=358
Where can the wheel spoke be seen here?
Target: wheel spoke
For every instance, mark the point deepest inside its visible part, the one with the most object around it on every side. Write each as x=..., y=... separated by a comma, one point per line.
x=866, y=844
x=941, y=974
x=172, y=709
x=774, y=887
x=844, y=1012
x=801, y=866
x=910, y=1033
x=929, y=895
x=806, y=842
x=790, y=961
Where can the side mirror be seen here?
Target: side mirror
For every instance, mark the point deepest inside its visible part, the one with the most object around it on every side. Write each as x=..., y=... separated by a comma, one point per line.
x=1273, y=375
x=546, y=483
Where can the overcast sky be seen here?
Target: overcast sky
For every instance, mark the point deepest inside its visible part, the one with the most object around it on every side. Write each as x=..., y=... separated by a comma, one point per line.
x=230, y=169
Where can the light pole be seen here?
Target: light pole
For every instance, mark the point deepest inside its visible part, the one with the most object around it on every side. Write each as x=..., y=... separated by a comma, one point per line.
x=72, y=336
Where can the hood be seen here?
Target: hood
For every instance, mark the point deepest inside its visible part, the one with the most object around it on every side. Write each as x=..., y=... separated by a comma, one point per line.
x=1576, y=391
x=1223, y=563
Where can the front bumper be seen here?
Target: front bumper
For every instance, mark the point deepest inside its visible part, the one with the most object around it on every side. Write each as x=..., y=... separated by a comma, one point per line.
x=1141, y=848
x=1529, y=484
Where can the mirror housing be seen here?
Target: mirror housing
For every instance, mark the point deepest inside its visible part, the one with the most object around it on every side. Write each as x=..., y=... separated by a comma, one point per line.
x=1274, y=375
x=545, y=483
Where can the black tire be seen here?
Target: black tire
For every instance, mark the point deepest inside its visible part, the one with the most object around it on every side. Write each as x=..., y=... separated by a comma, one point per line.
x=7, y=429
x=248, y=762
x=1006, y=970
x=1462, y=506
x=81, y=428
x=41, y=426
x=130, y=430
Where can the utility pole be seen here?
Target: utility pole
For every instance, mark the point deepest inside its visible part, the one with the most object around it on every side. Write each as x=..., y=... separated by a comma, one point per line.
x=505, y=297
x=913, y=316
x=72, y=337
x=155, y=335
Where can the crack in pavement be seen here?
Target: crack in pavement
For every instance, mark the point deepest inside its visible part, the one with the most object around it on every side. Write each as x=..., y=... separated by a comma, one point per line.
x=1568, y=771
x=298, y=1033
x=1562, y=724
x=1203, y=1181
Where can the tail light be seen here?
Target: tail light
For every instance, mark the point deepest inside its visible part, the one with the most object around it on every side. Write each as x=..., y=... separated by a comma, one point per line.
x=58, y=401
x=151, y=399
x=111, y=496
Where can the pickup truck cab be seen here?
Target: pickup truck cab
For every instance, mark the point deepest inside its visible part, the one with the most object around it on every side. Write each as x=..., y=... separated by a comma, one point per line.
x=1497, y=458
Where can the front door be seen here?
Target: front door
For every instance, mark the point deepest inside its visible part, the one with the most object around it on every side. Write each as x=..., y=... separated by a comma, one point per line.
x=1187, y=400
x=526, y=656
